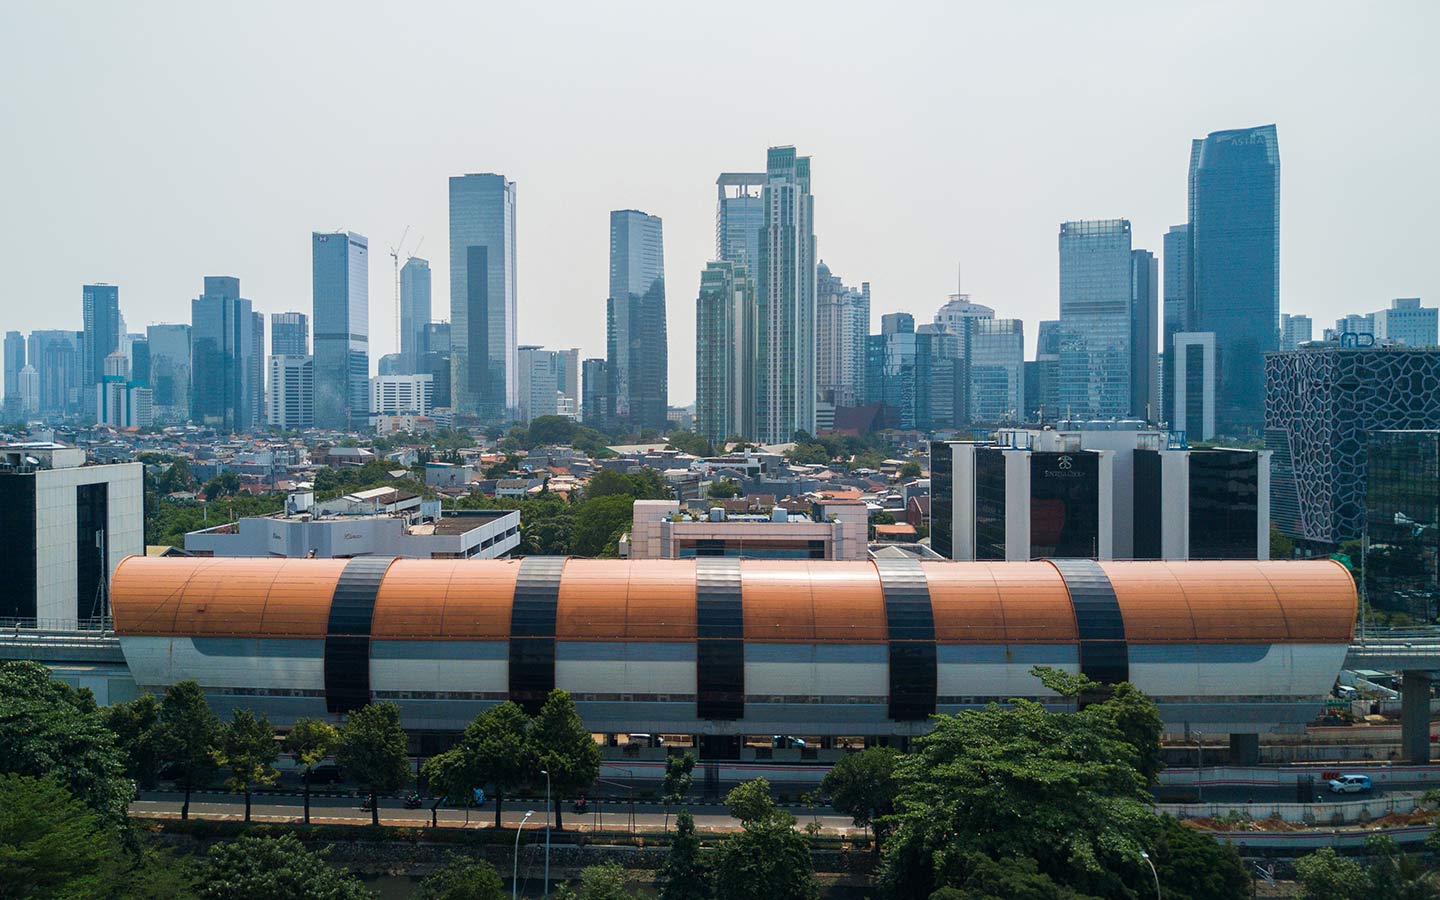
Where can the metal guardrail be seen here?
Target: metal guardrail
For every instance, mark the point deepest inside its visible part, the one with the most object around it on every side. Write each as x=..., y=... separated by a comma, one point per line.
x=1390, y=635
x=69, y=626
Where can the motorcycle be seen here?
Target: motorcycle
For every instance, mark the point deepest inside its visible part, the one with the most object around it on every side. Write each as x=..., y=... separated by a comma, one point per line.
x=413, y=800
x=581, y=806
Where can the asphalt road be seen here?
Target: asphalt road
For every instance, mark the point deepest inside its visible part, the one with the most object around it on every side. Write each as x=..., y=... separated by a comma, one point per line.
x=614, y=816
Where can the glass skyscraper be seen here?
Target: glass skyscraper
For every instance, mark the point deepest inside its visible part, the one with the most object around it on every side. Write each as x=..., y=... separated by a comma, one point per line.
x=483, y=345
x=723, y=350
x=289, y=334
x=225, y=351
x=100, y=308
x=14, y=362
x=785, y=301
x=636, y=356
x=1144, y=335
x=1176, y=308
x=56, y=358
x=170, y=371
x=1095, y=319
x=414, y=314
x=842, y=326
x=739, y=217
x=341, y=293
x=1234, y=277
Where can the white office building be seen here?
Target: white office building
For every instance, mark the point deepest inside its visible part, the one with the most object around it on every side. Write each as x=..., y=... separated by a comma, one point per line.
x=65, y=527
x=292, y=392
x=392, y=395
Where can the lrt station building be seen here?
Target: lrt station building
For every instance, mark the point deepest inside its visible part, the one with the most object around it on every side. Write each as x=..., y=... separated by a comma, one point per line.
x=724, y=653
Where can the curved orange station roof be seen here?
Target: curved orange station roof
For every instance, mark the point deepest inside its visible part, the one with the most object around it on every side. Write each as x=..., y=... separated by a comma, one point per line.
x=784, y=601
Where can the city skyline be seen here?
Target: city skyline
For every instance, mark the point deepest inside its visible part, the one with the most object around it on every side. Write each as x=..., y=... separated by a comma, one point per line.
x=1036, y=151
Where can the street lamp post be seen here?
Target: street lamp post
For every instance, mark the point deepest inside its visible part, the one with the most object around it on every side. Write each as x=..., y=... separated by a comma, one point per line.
x=1145, y=856
x=515, y=862
x=546, y=773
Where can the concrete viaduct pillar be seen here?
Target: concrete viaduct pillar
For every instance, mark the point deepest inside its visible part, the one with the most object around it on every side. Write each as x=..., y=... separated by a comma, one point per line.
x=1244, y=749
x=1415, y=717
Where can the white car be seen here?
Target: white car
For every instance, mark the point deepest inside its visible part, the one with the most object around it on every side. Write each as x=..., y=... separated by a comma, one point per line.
x=1351, y=784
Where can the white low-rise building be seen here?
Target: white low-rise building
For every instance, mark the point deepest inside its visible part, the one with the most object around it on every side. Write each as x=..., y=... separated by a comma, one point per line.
x=466, y=534
x=833, y=529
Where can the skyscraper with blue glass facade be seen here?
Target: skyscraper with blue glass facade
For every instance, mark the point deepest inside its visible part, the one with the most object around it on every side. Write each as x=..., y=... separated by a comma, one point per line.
x=100, y=311
x=1096, y=326
x=226, y=388
x=636, y=357
x=785, y=300
x=289, y=334
x=341, y=291
x=1234, y=265
x=1176, y=305
x=483, y=337
x=414, y=315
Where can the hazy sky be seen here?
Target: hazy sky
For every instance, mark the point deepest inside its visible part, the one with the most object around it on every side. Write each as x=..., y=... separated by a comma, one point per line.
x=150, y=144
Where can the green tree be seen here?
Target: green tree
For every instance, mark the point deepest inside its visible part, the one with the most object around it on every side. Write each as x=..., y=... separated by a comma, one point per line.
x=1394, y=873
x=910, y=469
x=1326, y=875
x=547, y=430
x=605, y=881
x=1016, y=878
x=372, y=751
x=275, y=868
x=141, y=735
x=767, y=858
x=723, y=489
x=48, y=728
x=684, y=875
x=246, y=746
x=565, y=748
x=310, y=741
x=51, y=844
x=461, y=878
x=495, y=749
x=1125, y=706
x=176, y=477
x=690, y=442
x=191, y=729
x=226, y=484
x=599, y=522
x=1062, y=789
x=863, y=786
x=750, y=801
x=679, y=778
x=1281, y=547
x=1195, y=866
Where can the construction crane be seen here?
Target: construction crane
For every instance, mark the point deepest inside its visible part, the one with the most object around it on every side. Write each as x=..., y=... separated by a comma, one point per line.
x=395, y=250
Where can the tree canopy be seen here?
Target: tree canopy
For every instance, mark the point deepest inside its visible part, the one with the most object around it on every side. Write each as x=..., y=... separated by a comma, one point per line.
x=863, y=786
x=274, y=868
x=48, y=728
x=246, y=746
x=372, y=751
x=768, y=857
x=191, y=729
x=462, y=878
x=564, y=747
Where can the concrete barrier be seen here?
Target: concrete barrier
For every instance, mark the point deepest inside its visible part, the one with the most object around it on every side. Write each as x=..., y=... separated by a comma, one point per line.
x=1347, y=812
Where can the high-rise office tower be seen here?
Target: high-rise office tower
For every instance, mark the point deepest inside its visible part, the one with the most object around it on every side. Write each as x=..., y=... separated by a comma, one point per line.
x=1295, y=330
x=724, y=352
x=100, y=307
x=225, y=392
x=842, y=324
x=995, y=370
x=636, y=356
x=483, y=309
x=549, y=382
x=916, y=373
x=739, y=217
x=1176, y=308
x=292, y=392
x=29, y=391
x=436, y=361
x=1235, y=265
x=341, y=276
x=169, y=371
x=785, y=301
x=140, y=361
x=953, y=387
x=594, y=406
x=1407, y=322
x=414, y=313
x=1045, y=388
x=289, y=334
x=56, y=356
x=14, y=362
x=1144, y=335
x=110, y=397
x=1095, y=319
